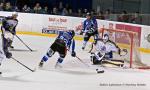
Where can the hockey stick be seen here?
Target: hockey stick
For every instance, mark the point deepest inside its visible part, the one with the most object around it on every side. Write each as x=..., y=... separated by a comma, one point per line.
x=24, y=43
x=82, y=61
x=97, y=70
x=115, y=60
x=23, y=65
x=91, y=48
x=113, y=63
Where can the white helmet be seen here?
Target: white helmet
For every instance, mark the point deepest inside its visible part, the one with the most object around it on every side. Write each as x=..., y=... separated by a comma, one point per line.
x=14, y=14
x=106, y=37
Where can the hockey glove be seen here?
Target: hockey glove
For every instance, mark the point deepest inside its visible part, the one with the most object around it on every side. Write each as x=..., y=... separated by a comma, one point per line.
x=8, y=55
x=13, y=32
x=82, y=31
x=73, y=54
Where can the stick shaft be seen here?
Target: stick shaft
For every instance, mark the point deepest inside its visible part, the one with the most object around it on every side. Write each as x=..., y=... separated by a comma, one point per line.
x=22, y=64
x=24, y=43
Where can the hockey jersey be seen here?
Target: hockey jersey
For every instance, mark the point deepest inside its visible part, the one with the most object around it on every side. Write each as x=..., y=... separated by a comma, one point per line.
x=67, y=37
x=9, y=24
x=89, y=23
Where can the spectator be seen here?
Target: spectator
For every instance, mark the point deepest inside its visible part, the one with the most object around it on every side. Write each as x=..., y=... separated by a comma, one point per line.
x=79, y=13
x=107, y=14
x=8, y=7
x=55, y=11
x=136, y=18
x=45, y=10
x=37, y=8
x=26, y=9
x=1, y=6
x=93, y=13
x=124, y=17
x=64, y=12
x=15, y=8
x=101, y=15
x=70, y=12
x=85, y=12
x=60, y=7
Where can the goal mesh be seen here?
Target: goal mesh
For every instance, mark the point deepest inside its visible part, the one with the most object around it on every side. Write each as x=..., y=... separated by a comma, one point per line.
x=127, y=40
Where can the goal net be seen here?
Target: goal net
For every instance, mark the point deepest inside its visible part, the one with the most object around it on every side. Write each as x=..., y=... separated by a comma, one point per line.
x=128, y=40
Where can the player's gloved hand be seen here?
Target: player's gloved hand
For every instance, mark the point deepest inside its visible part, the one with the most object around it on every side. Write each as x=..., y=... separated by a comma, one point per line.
x=73, y=54
x=82, y=31
x=8, y=55
x=14, y=33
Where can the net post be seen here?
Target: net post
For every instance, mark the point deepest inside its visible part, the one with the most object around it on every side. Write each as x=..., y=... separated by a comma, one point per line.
x=131, y=51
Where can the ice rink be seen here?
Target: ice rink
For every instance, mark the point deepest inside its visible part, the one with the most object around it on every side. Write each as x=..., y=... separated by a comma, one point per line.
x=73, y=76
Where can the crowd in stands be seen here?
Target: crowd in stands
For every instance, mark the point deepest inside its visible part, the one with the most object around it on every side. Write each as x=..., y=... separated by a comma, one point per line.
x=68, y=11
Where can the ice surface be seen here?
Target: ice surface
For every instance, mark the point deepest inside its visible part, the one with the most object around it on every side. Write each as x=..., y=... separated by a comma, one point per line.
x=73, y=76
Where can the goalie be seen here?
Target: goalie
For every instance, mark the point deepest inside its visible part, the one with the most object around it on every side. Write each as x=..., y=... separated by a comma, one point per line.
x=104, y=49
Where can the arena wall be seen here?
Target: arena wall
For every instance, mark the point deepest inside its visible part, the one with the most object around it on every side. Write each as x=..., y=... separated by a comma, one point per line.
x=49, y=25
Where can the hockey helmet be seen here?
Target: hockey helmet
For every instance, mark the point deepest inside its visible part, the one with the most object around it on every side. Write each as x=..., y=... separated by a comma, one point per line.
x=88, y=14
x=14, y=14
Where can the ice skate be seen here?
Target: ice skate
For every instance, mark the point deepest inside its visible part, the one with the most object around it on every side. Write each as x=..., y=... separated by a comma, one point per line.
x=41, y=64
x=58, y=65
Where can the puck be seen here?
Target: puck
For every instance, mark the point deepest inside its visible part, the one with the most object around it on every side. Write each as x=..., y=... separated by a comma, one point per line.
x=0, y=72
x=99, y=71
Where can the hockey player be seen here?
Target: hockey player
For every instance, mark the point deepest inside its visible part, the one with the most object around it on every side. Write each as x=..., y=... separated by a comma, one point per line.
x=90, y=28
x=8, y=29
x=63, y=42
x=104, y=49
x=3, y=54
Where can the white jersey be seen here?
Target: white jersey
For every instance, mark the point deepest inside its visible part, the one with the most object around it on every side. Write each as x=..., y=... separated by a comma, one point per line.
x=105, y=47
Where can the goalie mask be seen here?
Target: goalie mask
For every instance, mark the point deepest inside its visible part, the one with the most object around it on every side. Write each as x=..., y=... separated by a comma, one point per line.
x=105, y=38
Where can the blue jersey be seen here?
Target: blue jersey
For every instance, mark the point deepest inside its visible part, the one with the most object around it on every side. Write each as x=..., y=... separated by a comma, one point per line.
x=89, y=23
x=67, y=37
